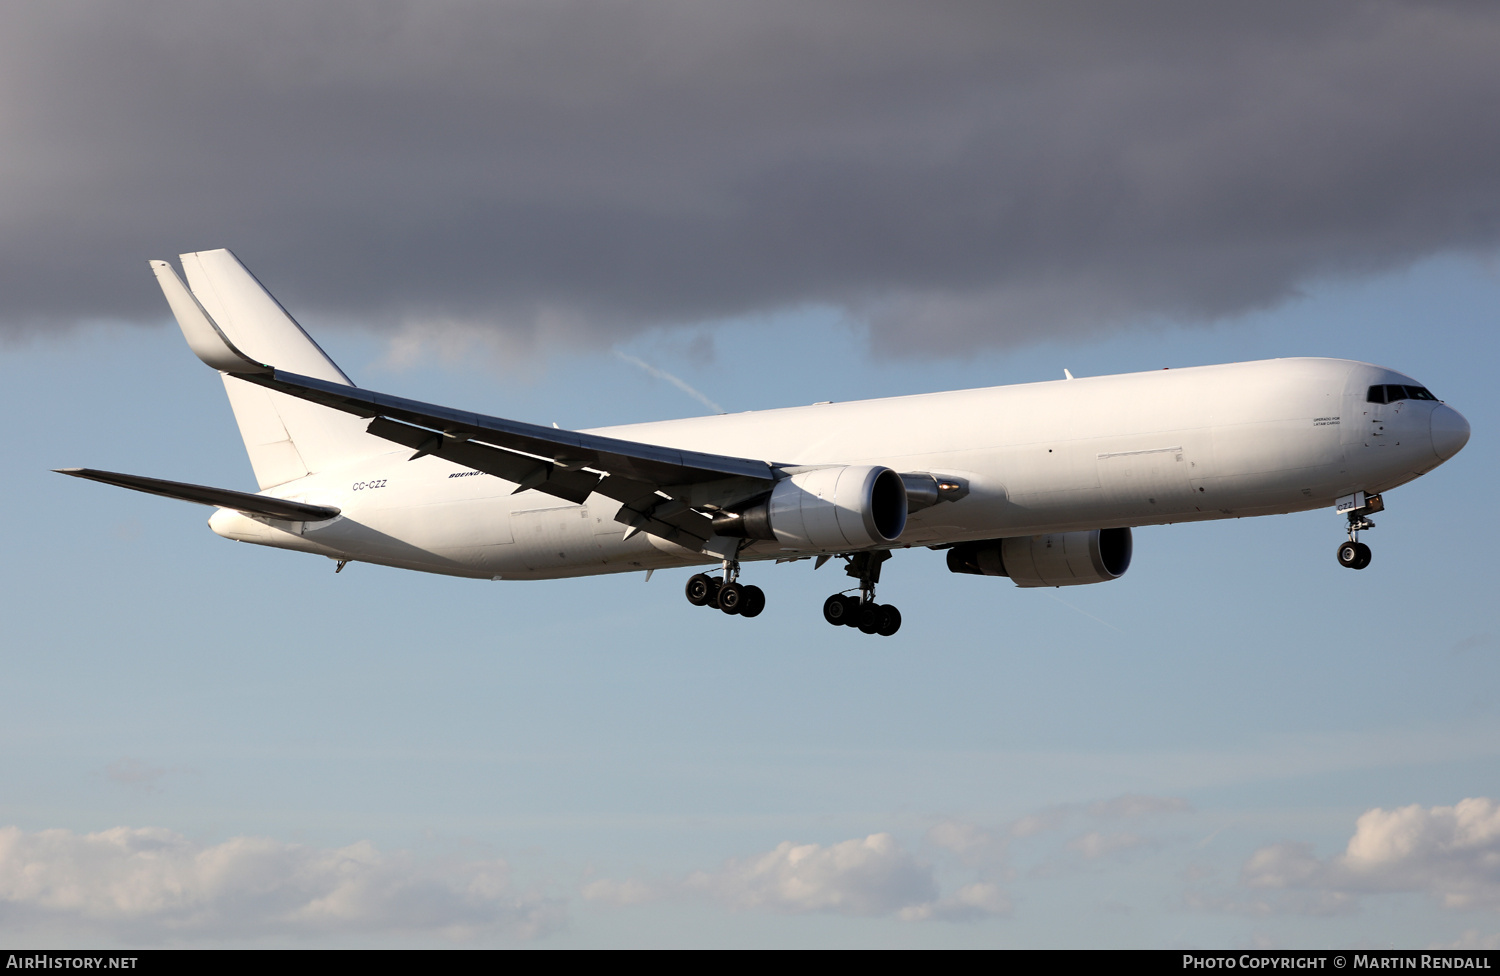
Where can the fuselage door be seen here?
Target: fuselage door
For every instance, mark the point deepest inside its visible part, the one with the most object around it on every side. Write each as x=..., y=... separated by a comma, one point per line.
x=1147, y=482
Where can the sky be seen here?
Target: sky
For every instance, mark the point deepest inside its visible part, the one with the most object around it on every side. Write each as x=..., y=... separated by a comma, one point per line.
x=590, y=214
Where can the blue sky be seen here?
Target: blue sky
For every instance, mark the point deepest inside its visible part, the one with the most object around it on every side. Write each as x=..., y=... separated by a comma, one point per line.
x=595, y=763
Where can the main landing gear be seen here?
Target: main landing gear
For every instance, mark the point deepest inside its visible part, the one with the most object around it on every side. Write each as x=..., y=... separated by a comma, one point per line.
x=847, y=610
x=726, y=593
x=844, y=609
x=1355, y=554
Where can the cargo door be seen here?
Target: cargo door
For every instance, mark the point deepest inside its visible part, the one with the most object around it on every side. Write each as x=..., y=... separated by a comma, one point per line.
x=1149, y=483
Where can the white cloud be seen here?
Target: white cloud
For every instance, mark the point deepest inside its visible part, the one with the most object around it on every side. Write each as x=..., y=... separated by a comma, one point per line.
x=1128, y=806
x=960, y=837
x=1452, y=853
x=1285, y=865
x=1095, y=845
x=872, y=876
x=975, y=846
x=630, y=892
x=150, y=884
x=971, y=844
x=969, y=904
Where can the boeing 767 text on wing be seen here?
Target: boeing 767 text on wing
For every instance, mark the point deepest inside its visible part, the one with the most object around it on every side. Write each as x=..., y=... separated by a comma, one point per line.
x=1039, y=482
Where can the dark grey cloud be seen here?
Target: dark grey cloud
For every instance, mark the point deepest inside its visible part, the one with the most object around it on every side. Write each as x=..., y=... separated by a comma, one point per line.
x=958, y=174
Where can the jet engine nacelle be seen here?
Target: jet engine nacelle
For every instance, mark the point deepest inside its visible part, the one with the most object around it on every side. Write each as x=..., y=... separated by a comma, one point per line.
x=1059, y=559
x=826, y=509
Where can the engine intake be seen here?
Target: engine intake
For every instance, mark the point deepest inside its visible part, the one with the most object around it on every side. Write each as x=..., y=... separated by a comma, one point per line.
x=826, y=509
x=1059, y=559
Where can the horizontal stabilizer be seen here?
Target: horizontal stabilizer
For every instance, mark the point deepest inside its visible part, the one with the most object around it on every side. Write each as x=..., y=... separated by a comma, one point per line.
x=239, y=501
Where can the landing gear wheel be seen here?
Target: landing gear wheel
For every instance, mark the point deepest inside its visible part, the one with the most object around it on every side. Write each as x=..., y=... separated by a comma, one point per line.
x=869, y=618
x=1355, y=555
x=890, y=621
x=731, y=598
x=752, y=601
x=837, y=610
x=701, y=589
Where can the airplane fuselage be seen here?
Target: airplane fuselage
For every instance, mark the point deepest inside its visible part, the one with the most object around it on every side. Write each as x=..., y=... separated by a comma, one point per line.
x=1138, y=449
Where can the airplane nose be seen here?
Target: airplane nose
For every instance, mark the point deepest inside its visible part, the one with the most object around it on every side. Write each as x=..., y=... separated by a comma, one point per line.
x=1450, y=431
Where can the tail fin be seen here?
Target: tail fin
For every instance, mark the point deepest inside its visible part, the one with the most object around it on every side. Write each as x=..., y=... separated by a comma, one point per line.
x=286, y=438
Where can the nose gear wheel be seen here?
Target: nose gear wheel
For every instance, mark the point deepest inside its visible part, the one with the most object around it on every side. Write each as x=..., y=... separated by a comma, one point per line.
x=1354, y=555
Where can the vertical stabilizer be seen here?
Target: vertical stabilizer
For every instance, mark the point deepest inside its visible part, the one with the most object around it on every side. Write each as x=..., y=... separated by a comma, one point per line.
x=286, y=438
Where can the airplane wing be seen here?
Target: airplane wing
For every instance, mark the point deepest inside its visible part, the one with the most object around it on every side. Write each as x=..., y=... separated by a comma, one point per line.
x=658, y=487
x=239, y=501
x=567, y=449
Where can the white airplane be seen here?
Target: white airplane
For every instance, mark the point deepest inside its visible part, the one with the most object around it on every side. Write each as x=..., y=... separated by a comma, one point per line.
x=1039, y=482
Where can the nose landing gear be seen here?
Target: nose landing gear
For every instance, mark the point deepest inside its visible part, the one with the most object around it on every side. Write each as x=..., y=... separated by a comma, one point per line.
x=1355, y=554
x=848, y=610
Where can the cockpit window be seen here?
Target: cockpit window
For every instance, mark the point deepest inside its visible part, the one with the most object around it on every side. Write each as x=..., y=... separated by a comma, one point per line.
x=1391, y=392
